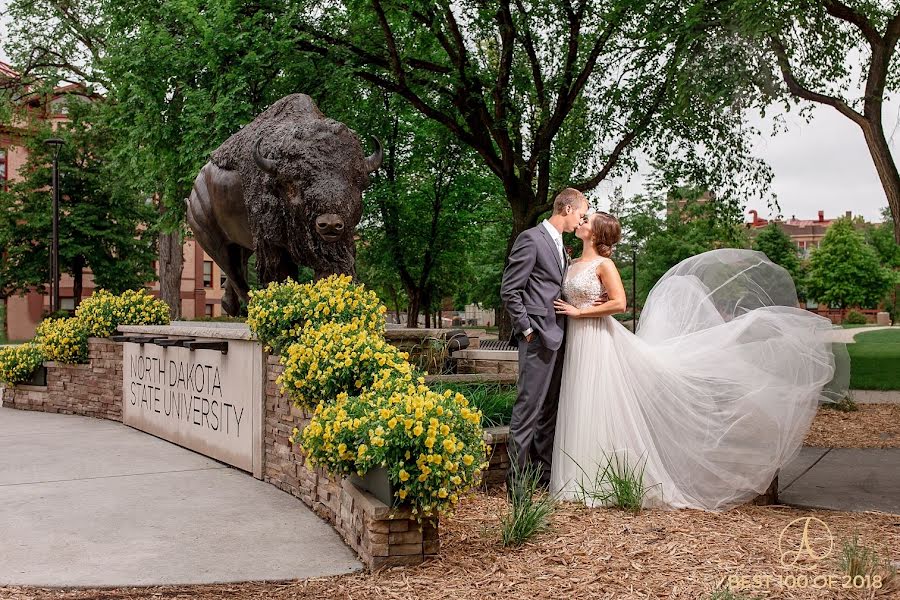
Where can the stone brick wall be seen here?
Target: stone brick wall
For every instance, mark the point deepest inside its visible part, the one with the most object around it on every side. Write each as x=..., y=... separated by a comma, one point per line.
x=382, y=536
x=91, y=390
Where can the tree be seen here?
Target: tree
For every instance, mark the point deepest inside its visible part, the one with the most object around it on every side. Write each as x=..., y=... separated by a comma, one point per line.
x=666, y=233
x=844, y=271
x=808, y=42
x=424, y=214
x=552, y=94
x=102, y=226
x=781, y=250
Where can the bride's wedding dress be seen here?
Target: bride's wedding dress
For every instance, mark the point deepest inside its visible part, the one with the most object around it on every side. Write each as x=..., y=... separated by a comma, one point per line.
x=715, y=391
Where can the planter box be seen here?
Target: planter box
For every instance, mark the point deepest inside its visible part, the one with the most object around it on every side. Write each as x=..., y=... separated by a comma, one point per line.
x=39, y=377
x=376, y=482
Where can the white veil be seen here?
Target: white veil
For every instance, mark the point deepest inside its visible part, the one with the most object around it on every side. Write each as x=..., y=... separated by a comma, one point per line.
x=738, y=372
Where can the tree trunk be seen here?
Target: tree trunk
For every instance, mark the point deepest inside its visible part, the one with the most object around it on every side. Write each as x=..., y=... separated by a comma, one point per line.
x=77, y=279
x=886, y=169
x=171, y=264
x=521, y=222
x=412, y=311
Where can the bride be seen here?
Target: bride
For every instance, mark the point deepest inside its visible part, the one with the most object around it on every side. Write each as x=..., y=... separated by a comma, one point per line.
x=715, y=391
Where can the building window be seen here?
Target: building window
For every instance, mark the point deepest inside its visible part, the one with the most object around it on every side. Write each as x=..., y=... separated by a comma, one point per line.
x=67, y=303
x=207, y=273
x=209, y=310
x=3, y=173
x=222, y=280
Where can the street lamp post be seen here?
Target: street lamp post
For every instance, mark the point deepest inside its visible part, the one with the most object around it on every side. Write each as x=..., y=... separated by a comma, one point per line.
x=55, y=143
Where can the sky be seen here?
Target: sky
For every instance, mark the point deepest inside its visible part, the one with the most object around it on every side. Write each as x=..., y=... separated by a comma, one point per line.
x=821, y=165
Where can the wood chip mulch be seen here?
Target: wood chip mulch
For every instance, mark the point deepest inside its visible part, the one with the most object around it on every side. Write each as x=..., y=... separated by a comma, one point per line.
x=588, y=553
x=872, y=426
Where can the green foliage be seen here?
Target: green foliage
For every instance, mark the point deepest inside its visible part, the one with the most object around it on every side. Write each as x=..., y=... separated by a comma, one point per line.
x=63, y=340
x=278, y=314
x=859, y=561
x=494, y=400
x=340, y=358
x=664, y=237
x=874, y=358
x=18, y=363
x=102, y=225
x=845, y=403
x=431, y=444
x=616, y=482
x=844, y=271
x=530, y=508
x=777, y=245
x=103, y=312
x=854, y=317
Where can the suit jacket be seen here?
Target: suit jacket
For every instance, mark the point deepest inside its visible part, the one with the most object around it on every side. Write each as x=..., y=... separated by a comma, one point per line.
x=532, y=280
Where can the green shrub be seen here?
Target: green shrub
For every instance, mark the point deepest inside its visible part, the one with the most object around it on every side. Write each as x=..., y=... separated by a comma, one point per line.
x=431, y=444
x=278, y=313
x=529, y=508
x=103, y=311
x=855, y=317
x=17, y=363
x=63, y=340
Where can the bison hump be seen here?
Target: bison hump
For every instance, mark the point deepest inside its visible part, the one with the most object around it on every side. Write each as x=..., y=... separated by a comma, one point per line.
x=294, y=108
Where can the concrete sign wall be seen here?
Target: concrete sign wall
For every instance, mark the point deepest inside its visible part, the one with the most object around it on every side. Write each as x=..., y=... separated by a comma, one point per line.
x=204, y=400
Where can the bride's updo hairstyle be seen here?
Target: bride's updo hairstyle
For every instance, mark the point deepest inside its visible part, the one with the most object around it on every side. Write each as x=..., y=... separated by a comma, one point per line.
x=606, y=232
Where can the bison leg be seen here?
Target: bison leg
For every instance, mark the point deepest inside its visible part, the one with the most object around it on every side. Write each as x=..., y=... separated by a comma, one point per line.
x=236, y=286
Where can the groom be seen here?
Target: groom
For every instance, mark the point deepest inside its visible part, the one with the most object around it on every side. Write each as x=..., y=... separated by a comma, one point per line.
x=532, y=280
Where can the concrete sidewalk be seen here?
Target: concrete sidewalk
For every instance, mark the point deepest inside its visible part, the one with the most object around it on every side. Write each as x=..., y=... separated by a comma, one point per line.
x=852, y=479
x=87, y=502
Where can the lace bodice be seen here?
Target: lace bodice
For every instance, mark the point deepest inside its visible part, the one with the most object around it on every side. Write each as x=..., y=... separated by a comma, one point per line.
x=582, y=286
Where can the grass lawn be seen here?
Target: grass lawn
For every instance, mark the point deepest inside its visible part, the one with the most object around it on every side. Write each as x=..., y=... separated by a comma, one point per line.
x=875, y=360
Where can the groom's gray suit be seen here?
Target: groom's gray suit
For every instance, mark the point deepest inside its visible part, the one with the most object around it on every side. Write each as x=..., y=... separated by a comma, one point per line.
x=532, y=280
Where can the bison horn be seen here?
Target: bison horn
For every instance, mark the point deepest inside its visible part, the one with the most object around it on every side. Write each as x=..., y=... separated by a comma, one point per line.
x=266, y=164
x=373, y=161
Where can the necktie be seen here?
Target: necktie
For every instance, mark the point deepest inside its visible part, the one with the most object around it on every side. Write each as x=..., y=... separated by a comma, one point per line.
x=562, y=256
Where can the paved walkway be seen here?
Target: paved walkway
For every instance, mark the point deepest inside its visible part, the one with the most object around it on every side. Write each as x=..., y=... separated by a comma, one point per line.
x=87, y=502
x=846, y=335
x=854, y=479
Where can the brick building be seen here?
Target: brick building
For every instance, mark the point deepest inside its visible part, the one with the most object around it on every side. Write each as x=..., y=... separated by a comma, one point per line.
x=201, y=279
x=805, y=233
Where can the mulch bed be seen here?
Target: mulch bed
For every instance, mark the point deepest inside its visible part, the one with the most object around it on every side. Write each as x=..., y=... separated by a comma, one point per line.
x=588, y=553
x=872, y=426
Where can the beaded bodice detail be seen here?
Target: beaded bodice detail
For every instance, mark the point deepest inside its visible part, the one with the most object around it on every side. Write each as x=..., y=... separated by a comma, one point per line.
x=582, y=286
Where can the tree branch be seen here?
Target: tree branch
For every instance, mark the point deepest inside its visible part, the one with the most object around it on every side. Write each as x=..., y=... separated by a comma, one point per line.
x=798, y=90
x=841, y=11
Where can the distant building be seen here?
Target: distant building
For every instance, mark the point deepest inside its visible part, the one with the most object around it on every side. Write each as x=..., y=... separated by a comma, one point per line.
x=805, y=233
x=201, y=279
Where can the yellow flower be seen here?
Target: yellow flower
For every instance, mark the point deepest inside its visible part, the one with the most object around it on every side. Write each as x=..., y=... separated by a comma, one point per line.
x=404, y=476
x=468, y=459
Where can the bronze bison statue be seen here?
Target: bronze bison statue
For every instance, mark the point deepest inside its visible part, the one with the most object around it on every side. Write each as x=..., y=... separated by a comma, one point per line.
x=287, y=187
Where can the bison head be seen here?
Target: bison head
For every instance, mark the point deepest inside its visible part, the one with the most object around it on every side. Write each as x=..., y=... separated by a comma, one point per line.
x=320, y=174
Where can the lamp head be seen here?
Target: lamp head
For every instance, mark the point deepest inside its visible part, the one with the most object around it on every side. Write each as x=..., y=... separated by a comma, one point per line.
x=55, y=143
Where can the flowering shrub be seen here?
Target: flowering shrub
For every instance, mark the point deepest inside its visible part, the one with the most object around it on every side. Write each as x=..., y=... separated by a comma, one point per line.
x=278, y=313
x=63, y=340
x=17, y=363
x=431, y=444
x=103, y=311
x=339, y=358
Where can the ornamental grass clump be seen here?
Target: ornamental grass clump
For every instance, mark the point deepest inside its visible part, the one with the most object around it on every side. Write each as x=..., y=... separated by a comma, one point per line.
x=280, y=312
x=63, y=340
x=339, y=358
x=103, y=311
x=430, y=444
x=17, y=363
